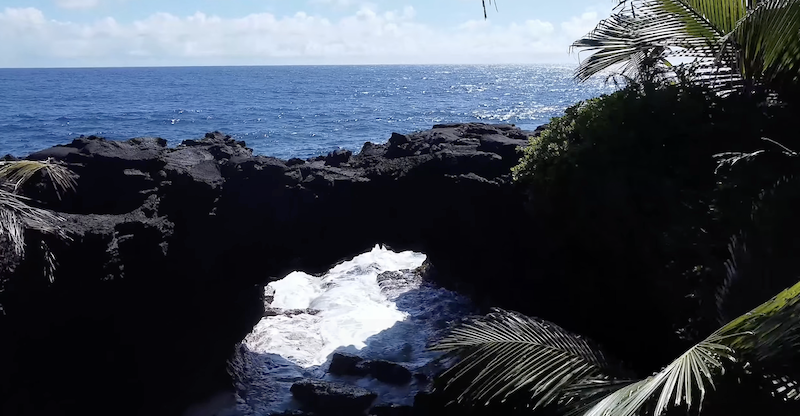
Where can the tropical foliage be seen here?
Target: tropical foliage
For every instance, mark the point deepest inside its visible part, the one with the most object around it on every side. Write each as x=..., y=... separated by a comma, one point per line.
x=731, y=44
x=670, y=203
x=507, y=354
x=634, y=212
x=21, y=172
x=17, y=212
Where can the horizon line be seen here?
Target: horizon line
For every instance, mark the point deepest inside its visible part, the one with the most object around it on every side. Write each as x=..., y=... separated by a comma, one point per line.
x=287, y=65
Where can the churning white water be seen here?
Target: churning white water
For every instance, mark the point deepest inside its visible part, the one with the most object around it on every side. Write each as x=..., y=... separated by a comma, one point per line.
x=344, y=308
x=350, y=308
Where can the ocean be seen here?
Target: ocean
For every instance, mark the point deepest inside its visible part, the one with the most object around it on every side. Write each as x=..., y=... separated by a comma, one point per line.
x=283, y=111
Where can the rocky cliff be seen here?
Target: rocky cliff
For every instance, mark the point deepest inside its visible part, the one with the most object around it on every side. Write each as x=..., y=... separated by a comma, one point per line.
x=170, y=249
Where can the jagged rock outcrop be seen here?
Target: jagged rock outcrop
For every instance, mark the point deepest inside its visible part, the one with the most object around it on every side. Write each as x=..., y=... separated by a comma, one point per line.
x=330, y=398
x=343, y=364
x=171, y=248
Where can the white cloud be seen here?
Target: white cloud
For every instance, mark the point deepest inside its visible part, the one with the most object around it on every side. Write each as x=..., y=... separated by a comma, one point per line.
x=77, y=4
x=580, y=25
x=365, y=36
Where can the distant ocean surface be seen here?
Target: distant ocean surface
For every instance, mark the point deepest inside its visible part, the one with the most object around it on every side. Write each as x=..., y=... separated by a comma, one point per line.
x=284, y=111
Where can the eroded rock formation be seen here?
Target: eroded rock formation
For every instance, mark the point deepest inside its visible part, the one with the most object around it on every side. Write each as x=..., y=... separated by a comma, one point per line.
x=171, y=248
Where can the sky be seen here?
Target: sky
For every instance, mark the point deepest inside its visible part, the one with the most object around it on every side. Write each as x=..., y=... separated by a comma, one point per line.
x=113, y=33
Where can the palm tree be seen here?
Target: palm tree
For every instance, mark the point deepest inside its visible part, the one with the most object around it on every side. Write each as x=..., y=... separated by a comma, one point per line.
x=733, y=44
x=510, y=358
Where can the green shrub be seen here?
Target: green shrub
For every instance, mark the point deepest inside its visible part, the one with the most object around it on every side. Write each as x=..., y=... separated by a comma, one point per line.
x=622, y=191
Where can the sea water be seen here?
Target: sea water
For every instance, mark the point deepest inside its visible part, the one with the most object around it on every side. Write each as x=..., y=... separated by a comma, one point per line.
x=283, y=111
x=347, y=310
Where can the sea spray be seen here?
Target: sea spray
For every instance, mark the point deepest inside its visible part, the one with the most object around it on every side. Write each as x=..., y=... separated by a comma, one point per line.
x=348, y=309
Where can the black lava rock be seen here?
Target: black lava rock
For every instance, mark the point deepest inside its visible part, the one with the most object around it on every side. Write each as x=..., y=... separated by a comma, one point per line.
x=173, y=246
x=343, y=364
x=332, y=398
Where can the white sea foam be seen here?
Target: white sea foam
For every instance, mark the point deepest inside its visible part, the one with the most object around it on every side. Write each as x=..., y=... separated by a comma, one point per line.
x=350, y=305
x=346, y=310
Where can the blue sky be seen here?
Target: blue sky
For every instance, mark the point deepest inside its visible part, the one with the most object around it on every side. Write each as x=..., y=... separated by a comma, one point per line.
x=66, y=33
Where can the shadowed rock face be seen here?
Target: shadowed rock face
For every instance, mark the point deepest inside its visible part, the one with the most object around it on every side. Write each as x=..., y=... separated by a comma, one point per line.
x=333, y=399
x=171, y=248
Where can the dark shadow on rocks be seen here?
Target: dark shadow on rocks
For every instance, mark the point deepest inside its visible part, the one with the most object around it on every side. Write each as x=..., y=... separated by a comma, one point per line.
x=171, y=248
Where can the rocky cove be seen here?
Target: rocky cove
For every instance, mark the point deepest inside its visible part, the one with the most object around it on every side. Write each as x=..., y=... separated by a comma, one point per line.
x=170, y=249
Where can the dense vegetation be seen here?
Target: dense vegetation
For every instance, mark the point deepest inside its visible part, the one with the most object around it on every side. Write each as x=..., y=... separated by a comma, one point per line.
x=668, y=211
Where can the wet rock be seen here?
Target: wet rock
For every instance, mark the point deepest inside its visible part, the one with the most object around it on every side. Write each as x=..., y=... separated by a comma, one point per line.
x=388, y=372
x=427, y=272
x=269, y=311
x=343, y=364
x=295, y=161
x=392, y=282
x=269, y=295
x=328, y=398
x=338, y=157
x=398, y=139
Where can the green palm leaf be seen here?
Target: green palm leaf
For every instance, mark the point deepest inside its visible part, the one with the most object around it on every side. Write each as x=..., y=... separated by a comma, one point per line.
x=764, y=339
x=721, y=15
x=669, y=26
x=730, y=40
x=769, y=41
x=506, y=353
x=680, y=383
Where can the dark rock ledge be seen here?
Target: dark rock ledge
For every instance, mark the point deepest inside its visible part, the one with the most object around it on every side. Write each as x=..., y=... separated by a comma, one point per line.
x=171, y=248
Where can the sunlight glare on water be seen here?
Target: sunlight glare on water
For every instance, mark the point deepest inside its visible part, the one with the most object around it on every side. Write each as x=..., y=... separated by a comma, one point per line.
x=292, y=111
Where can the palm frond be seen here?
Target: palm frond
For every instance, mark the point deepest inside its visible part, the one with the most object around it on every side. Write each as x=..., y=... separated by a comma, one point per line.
x=723, y=15
x=769, y=41
x=695, y=29
x=615, y=41
x=582, y=396
x=49, y=262
x=16, y=215
x=484, y=3
x=737, y=250
x=20, y=172
x=506, y=353
x=669, y=26
x=730, y=159
x=766, y=338
x=775, y=325
x=683, y=382
x=11, y=227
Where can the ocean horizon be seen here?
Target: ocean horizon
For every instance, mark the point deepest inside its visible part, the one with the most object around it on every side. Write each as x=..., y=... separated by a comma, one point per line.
x=279, y=110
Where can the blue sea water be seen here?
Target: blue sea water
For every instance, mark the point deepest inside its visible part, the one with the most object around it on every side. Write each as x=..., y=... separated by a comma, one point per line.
x=288, y=111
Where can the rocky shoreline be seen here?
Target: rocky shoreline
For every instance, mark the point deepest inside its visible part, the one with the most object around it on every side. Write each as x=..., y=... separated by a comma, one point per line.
x=171, y=247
